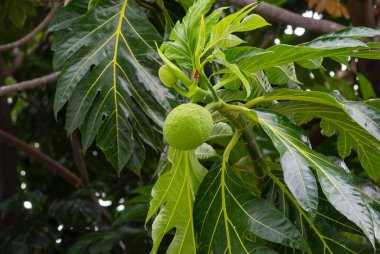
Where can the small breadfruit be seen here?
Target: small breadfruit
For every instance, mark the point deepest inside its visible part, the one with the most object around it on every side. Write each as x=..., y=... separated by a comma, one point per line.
x=187, y=126
x=166, y=76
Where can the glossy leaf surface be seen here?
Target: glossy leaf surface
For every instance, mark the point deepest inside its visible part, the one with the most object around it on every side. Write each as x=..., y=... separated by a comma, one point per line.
x=108, y=77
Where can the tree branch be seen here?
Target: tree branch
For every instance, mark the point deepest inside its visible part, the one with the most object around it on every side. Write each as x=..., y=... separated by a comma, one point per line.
x=78, y=158
x=64, y=172
x=287, y=17
x=29, y=84
x=34, y=32
x=81, y=165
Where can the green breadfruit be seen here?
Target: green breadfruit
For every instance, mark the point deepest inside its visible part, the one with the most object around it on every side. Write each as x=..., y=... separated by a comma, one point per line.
x=187, y=126
x=166, y=76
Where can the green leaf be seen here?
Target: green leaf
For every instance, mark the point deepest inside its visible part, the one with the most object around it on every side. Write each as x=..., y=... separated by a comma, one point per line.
x=221, y=59
x=317, y=49
x=206, y=152
x=353, y=32
x=186, y=4
x=93, y=3
x=221, y=33
x=324, y=234
x=68, y=16
x=101, y=242
x=110, y=86
x=237, y=54
x=311, y=63
x=17, y=11
x=228, y=217
x=220, y=130
x=337, y=185
x=184, y=36
x=17, y=14
x=173, y=195
x=367, y=117
x=282, y=74
x=297, y=174
x=371, y=196
x=351, y=135
x=258, y=83
x=365, y=86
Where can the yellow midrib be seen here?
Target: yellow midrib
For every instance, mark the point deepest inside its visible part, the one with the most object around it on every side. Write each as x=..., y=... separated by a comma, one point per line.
x=117, y=33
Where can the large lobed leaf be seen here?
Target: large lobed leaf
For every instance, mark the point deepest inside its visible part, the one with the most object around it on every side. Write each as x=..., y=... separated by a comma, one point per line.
x=342, y=43
x=327, y=232
x=357, y=122
x=108, y=78
x=337, y=185
x=230, y=219
x=173, y=196
x=351, y=135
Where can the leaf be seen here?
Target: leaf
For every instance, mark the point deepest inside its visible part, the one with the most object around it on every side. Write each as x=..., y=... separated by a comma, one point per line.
x=366, y=117
x=336, y=184
x=334, y=46
x=324, y=234
x=261, y=84
x=110, y=86
x=206, y=152
x=297, y=174
x=351, y=135
x=228, y=216
x=186, y=4
x=237, y=54
x=93, y=3
x=134, y=212
x=184, y=36
x=371, y=196
x=17, y=11
x=282, y=74
x=352, y=32
x=258, y=83
x=220, y=130
x=68, y=16
x=221, y=33
x=173, y=194
x=311, y=63
x=100, y=242
x=221, y=59
x=365, y=86
x=17, y=14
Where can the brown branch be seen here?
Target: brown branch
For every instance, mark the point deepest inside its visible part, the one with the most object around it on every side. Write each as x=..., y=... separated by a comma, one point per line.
x=62, y=171
x=81, y=165
x=287, y=17
x=29, y=84
x=34, y=32
x=78, y=158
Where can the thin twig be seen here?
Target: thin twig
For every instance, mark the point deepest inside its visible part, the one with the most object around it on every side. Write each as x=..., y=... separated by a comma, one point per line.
x=62, y=171
x=29, y=84
x=34, y=32
x=81, y=165
x=287, y=17
x=78, y=158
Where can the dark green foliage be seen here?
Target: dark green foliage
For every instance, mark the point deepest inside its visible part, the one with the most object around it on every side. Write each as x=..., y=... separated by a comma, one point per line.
x=291, y=165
